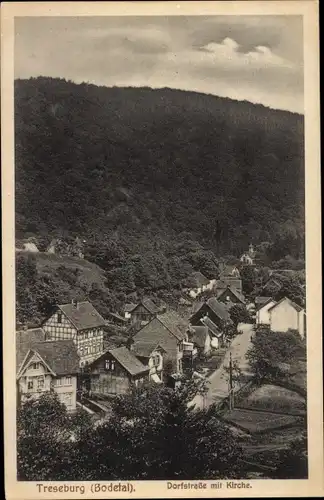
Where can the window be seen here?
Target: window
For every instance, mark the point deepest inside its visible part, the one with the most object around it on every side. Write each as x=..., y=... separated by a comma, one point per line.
x=89, y=334
x=30, y=385
x=59, y=317
x=40, y=383
x=35, y=366
x=58, y=381
x=156, y=360
x=110, y=364
x=68, y=381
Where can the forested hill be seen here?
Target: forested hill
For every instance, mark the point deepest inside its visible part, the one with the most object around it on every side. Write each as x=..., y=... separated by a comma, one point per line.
x=143, y=166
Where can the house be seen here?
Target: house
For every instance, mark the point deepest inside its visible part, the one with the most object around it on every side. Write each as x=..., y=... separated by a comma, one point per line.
x=28, y=245
x=170, y=331
x=50, y=366
x=115, y=371
x=128, y=309
x=116, y=319
x=196, y=284
x=25, y=339
x=259, y=301
x=248, y=257
x=215, y=310
x=80, y=322
x=287, y=315
x=143, y=312
x=216, y=334
x=271, y=287
x=230, y=296
x=229, y=281
x=262, y=312
x=206, y=337
x=151, y=354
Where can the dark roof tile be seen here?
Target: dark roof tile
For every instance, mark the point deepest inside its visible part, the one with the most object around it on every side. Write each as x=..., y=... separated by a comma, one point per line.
x=25, y=339
x=60, y=355
x=128, y=360
x=83, y=315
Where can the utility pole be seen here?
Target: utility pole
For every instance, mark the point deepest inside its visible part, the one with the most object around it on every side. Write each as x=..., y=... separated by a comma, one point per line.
x=231, y=393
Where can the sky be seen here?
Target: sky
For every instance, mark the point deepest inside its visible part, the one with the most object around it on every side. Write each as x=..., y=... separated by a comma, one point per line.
x=253, y=58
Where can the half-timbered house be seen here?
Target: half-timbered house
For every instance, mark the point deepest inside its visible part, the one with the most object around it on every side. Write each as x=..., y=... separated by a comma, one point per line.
x=80, y=322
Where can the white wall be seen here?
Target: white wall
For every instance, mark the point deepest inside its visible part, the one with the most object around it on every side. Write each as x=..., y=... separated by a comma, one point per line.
x=262, y=315
x=284, y=317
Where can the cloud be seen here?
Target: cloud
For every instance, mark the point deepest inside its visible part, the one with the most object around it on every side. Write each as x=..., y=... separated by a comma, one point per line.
x=227, y=52
x=242, y=58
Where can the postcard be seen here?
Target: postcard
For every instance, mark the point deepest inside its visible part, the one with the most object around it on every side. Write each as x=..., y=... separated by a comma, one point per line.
x=161, y=250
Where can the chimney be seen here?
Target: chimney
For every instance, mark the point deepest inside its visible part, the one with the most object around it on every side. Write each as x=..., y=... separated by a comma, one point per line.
x=75, y=303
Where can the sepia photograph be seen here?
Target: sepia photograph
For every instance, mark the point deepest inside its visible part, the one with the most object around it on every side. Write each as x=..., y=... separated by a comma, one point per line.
x=159, y=248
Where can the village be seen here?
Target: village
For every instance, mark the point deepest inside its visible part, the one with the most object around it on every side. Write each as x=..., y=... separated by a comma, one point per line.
x=71, y=353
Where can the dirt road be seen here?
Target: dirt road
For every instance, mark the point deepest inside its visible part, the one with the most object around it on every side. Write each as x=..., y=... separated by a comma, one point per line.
x=218, y=380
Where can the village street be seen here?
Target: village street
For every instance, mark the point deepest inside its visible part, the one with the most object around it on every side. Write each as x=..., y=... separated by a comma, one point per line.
x=218, y=380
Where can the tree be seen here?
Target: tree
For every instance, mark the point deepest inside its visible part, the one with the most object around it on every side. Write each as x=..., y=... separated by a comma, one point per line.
x=239, y=314
x=147, y=420
x=48, y=439
x=271, y=351
x=291, y=288
x=293, y=462
x=152, y=433
x=248, y=277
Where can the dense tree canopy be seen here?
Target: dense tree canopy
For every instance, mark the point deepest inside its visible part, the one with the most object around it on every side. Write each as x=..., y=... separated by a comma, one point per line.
x=126, y=167
x=152, y=433
x=272, y=351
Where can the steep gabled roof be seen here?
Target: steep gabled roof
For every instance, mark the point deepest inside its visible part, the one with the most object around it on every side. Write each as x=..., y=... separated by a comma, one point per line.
x=273, y=281
x=199, y=279
x=211, y=326
x=263, y=304
x=290, y=302
x=218, y=308
x=157, y=332
x=149, y=305
x=128, y=360
x=237, y=294
x=261, y=300
x=235, y=283
x=83, y=315
x=25, y=339
x=61, y=356
x=174, y=323
x=145, y=349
